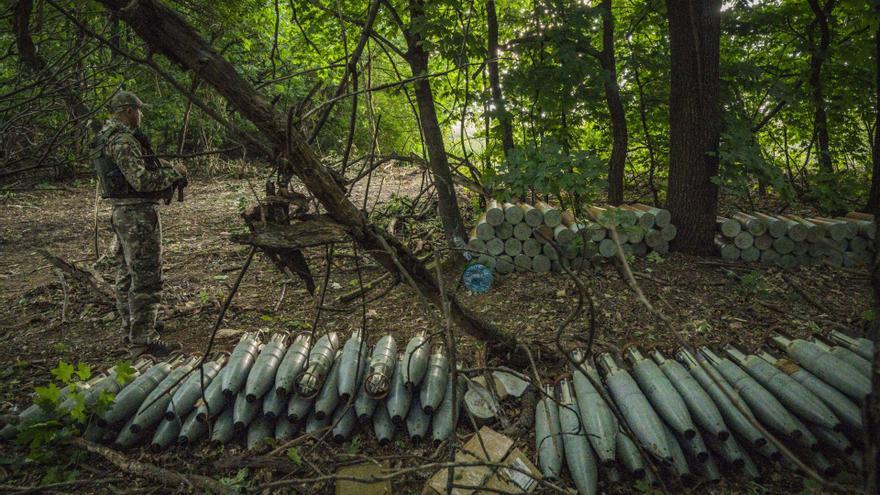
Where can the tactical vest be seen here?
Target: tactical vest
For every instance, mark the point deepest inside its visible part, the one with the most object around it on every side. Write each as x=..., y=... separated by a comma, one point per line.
x=110, y=177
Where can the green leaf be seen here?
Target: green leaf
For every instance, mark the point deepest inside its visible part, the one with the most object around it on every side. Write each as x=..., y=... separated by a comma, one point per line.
x=63, y=372
x=124, y=372
x=293, y=455
x=83, y=371
x=49, y=395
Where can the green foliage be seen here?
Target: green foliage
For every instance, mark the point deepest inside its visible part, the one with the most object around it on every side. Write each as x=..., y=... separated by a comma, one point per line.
x=753, y=284
x=293, y=455
x=237, y=481
x=742, y=164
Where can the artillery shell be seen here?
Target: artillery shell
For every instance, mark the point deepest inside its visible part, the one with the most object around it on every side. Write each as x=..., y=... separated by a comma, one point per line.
x=852, y=359
x=434, y=384
x=679, y=465
x=274, y=405
x=328, y=397
x=417, y=422
x=364, y=405
x=185, y=397
x=548, y=442
x=321, y=357
x=354, y=355
x=94, y=433
x=662, y=395
x=749, y=467
x=383, y=427
x=154, y=405
x=211, y=404
x=415, y=359
x=844, y=408
x=295, y=360
x=861, y=346
x=695, y=448
x=285, y=429
x=131, y=397
x=224, y=428
x=240, y=362
x=703, y=410
x=165, y=434
x=399, y=397
x=344, y=419
x=383, y=364
x=192, y=430
x=833, y=440
x=446, y=416
x=597, y=418
x=770, y=451
x=298, y=408
x=709, y=470
x=315, y=426
x=628, y=454
x=835, y=372
x=244, y=412
x=258, y=431
x=262, y=374
x=127, y=438
x=578, y=454
x=728, y=451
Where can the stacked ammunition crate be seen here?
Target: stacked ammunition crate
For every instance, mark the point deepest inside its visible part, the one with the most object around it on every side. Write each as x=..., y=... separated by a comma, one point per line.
x=514, y=236
x=791, y=240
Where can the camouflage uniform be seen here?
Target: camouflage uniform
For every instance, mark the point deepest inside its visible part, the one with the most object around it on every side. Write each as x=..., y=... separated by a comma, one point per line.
x=135, y=220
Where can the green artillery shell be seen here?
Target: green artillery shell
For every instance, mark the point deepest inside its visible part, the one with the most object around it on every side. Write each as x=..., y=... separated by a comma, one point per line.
x=599, y=422
x=807, y=439
x=769, y=410
x=344, y=419
x=862, y=347
x=294, y=362
x=417, y=422
x=578, y=454
x=244, y=412
x=315, y=426
x=415, y=360
x=262, y=375
x=634, y=406
x=131, y=397
x=662, y=395
x=383, y=364
x=709, y=470
x=790, y=393
x=165, y=434
x=749, y=467
x=94, y=433
x=679, y=462
x=434, y=385
x=383, y=427
x=285, y=429
x=446, y=416
x=852, y=359
x=240, y=362
x=274, y=405
x=298, y=408
x=833, y=439
x=835, y=372
x=364, y=405
x=154, y=405
x=354, y=355
x=822, y=465
x=211, y=405
x=328, y=397
x=258, y=431
x=548, y=441
x=728, y=451
x=321, y=357
x=185, y=397
x=192, y=430
x=770, y=451
x=628, y=454
x=845, y=409
x=733, y=417
x=703, y=410
x=223, y=429
x=127, y=438
x=694, y=448
x=399, y=396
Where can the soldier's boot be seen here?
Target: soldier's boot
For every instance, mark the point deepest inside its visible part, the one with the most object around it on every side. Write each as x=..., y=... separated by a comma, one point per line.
x=126, y=338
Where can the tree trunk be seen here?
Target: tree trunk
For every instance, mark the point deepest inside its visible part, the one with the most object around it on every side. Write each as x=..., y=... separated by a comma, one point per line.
x=167, y=33
x=615, y=108
x=694, y=121
x=495, y=81
x=874, y=196
x=447, y=200
x=817, y=57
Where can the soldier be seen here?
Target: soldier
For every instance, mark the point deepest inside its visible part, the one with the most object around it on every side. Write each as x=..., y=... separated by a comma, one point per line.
x=134, y=183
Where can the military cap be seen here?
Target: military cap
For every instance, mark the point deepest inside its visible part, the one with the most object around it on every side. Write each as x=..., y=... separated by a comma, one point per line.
x=125, y=99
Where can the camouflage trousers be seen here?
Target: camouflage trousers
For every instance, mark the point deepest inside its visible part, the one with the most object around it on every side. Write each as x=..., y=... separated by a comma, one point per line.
x=138, y=258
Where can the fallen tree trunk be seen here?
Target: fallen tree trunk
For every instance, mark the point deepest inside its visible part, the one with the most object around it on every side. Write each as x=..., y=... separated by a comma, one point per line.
x=169, y=34
x=90, y=280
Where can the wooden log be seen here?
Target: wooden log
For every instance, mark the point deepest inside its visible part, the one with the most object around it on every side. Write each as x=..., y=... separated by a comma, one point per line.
x=522, y=263
x=483, y=230
x=522, y=231
x=775, y=227
x=852, y=227
x=858, y=215
x=662, y=217
x=86, y=278
x=552, y=215
x=597, y=232
x=568, y=219
x=769, y=256
x=494, y=213
x=512, y=247
x=627, y=217
x=487, y=261
x=562, y=234
x=636, y=234
x=531, y=247
x=531, y=215
x=835, y=230
x=668, y=232
x=607, y=248
x=543, y=233
x=654, y=238
x=783, y=245
x=750, y=254
x=727, y=249
x=495, y=246
x=753, y=225
x=743, y=240
x=794, y=230
x=645, y=219
x=600, y=215
x=728, y=227
x=764, y=242
x=513, y=214
x=504, y=264
x=541, y=263
x=476, y=245
x=815, y=233
x=548, y=251
x=504, y=231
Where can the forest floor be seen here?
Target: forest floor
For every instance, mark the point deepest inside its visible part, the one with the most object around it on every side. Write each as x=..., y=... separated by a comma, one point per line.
x=44, y=320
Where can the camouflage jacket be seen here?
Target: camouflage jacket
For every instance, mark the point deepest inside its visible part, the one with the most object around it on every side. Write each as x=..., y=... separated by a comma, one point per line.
x=125, y=151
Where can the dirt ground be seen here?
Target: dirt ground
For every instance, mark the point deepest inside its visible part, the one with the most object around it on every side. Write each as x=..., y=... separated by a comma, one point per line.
x=45, y=319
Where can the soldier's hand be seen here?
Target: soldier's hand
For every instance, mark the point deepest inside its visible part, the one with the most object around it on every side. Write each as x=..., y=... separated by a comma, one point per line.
x=180, y=168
